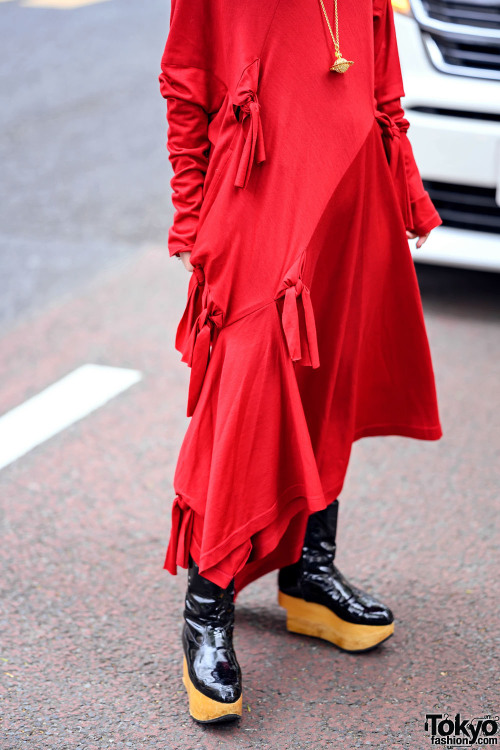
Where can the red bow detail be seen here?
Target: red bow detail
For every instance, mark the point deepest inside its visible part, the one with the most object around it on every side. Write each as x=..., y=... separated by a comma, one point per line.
x=180, y=536
x=198, y=348
x=253, y=147
x=297, y=305
x=391, y=134
x=191, y=311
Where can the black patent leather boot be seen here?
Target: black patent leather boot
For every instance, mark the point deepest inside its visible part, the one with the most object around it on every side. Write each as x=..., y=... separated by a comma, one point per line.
x=321, y=602
x=211, y=673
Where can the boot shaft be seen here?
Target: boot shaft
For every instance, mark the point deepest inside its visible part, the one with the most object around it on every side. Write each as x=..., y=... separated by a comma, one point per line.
x=318, y=549
x=206, y=603
x=212, y=673
x=314, y=578
x=321, y=533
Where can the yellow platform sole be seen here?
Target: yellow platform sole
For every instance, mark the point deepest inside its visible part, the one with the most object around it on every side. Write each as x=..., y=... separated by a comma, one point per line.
x=317, y=620
x=205, y=709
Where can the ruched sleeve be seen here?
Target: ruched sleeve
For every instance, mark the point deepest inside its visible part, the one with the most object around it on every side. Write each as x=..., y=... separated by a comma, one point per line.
x=194, y=93
x=388, y=93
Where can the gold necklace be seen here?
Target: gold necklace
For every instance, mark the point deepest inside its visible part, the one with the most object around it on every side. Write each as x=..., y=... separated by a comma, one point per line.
x=341, y=64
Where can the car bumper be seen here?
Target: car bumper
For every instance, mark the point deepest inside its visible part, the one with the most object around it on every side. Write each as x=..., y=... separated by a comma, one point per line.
x=457, y=143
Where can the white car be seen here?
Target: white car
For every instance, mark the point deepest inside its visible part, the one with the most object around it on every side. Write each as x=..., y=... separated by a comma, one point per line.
x=450, y=60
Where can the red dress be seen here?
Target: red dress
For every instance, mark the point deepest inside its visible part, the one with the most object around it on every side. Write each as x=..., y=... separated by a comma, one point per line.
x=303, y=328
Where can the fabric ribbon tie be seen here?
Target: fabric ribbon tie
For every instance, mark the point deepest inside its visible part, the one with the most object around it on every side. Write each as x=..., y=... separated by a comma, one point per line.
x=392, y=133
x=297, y=303
x=193, y=308
x=197, y=354
x=253, y=146
x=180, y=536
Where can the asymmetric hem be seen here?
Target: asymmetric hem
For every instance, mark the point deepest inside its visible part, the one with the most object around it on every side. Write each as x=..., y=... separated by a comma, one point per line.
x=303, y=326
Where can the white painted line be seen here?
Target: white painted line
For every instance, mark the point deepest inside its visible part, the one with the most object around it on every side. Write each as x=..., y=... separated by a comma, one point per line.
x=59, y=4
x=59, y=406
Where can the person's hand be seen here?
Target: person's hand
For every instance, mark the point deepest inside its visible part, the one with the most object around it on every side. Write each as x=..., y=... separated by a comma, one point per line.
x=184, y=256
x=421, y=239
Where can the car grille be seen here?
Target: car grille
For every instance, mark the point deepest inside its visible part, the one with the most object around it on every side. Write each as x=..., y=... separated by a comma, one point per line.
x=461, y=36
x=475, y=55
x=483, y=14
x=465, y=206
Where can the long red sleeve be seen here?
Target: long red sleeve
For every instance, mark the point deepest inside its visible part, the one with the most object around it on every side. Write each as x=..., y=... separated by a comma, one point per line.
x=388, y=92
x=193, y=93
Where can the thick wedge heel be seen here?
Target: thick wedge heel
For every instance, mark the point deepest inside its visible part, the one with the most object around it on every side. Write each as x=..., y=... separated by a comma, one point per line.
x=205, y=709
x=309, y=618
x=321, y=602
x=210, y=673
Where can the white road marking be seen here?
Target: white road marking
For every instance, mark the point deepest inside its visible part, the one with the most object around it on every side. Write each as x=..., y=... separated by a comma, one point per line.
x=60, y=405
x=59, y=4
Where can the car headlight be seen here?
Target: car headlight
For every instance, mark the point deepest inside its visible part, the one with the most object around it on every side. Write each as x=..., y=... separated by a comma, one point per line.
x=402, y=6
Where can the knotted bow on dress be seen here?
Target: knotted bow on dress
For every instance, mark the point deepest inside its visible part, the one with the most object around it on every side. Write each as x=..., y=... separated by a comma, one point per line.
x=180, y=535
x=197, y=333
x=301, y=340
x=252, y=137
x=392, y=131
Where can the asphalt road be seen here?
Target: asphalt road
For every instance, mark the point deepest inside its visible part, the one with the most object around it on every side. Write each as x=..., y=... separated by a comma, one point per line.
x=90, y=622
x=84, y=177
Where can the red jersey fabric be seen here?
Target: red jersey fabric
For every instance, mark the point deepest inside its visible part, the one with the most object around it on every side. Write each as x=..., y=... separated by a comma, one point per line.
x=303, y=328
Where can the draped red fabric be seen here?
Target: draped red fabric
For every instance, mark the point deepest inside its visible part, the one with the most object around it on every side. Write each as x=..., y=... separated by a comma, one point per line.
x=303, y=329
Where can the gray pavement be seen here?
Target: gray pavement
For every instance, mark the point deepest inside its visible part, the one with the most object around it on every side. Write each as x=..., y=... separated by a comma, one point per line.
x=84, y=176
x=89, y=620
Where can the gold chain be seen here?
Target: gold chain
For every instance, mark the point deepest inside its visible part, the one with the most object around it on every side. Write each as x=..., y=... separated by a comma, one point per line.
x=341, y=64
x=335, y=40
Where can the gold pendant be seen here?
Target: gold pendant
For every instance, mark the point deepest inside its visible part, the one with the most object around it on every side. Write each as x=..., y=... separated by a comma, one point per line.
x=341, y=65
